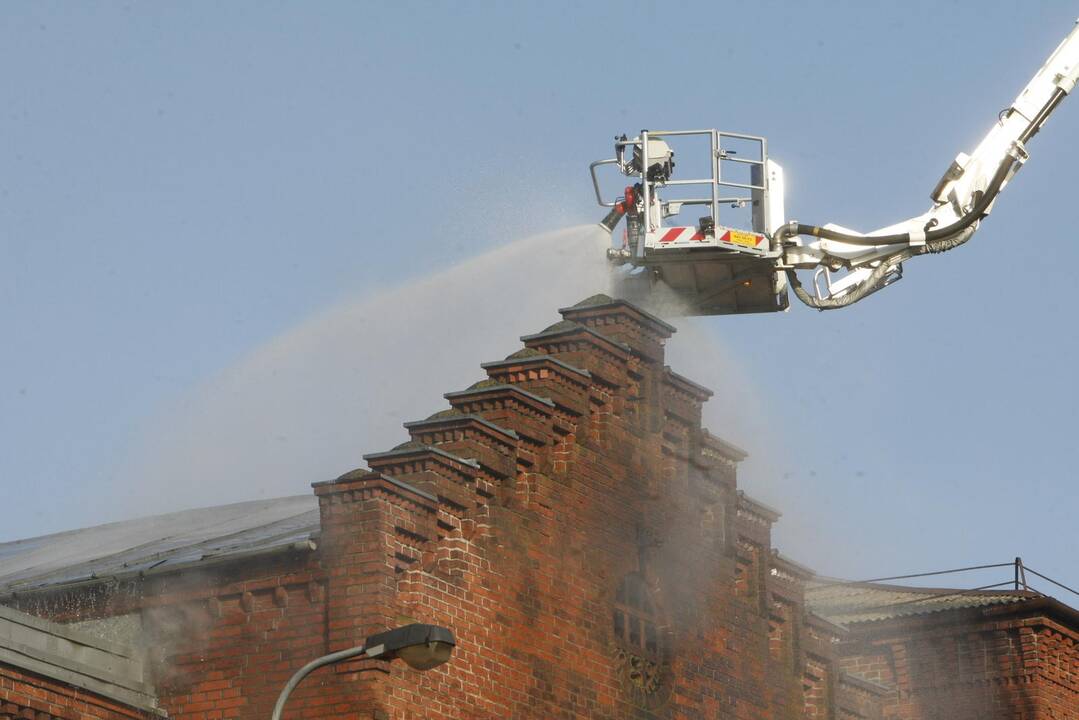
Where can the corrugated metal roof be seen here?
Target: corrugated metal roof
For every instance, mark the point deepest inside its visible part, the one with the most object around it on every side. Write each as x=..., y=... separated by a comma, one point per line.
x=157, y=543
x=847, y=603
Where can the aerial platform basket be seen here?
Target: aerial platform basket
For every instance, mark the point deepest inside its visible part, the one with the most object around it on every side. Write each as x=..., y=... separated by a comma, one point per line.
x=723, y=263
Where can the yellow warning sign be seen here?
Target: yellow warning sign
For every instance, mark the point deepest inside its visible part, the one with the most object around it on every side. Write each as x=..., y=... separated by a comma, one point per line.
x=740, y=237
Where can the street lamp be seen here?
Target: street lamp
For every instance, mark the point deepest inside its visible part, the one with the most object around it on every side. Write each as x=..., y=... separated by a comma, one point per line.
x=422, y=647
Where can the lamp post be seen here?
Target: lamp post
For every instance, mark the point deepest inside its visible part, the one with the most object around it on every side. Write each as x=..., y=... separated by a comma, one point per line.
x=422, y=647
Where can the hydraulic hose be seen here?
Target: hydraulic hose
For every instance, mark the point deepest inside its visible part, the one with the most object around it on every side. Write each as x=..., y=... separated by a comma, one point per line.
x=867, y=287
x=976, y=213
x=872, y=283
x=937, y=240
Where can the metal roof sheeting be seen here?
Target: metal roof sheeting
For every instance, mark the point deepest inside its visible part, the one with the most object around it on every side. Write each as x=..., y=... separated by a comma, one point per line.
x=158, y=543
x=847, y=603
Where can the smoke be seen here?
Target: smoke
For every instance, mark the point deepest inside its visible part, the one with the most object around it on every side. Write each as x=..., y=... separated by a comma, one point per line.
x=308, y=404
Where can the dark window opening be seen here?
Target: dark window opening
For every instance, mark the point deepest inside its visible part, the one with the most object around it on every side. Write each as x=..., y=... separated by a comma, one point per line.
x=635, y=624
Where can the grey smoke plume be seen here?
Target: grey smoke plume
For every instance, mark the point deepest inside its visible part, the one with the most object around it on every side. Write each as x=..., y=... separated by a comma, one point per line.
x=308, y=404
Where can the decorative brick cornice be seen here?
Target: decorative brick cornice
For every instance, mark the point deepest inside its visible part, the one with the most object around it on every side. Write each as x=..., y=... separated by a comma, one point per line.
x=502, y=368
x=500, y=395
x=361, y=481
x=643, y=333
x=682, y=384
x=603, y=306
x=715, y=448
x=788, y=578
x=568, y=336
x=412, y=452
x=454, y=479
x=756, y=511
x=567, y=387
x=868, y=686
x=795, y=572
x=460, y=421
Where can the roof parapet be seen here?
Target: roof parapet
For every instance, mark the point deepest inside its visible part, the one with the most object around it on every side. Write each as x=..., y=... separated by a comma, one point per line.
x=48, y=649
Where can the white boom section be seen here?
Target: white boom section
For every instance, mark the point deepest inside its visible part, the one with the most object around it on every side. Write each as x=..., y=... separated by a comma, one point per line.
x=959, y=190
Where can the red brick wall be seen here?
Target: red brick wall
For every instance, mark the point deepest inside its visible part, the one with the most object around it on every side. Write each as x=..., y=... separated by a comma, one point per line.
x=1002, y=662
x=26, y=696
x=586, y=541
x=546, y=489
x=532, y=545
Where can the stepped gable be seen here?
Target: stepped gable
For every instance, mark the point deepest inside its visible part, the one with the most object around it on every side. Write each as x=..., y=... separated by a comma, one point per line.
x=361, y=480
x=583, y=347
x=533, y=418
x=603, y=362
x=566, y=496
x=565, y=385
x=586, y=541
x=452, y=478
x=719, y=459
x=490, y=445
x=622, y=321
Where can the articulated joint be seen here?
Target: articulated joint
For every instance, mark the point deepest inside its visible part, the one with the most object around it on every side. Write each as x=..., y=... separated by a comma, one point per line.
x=1018, y=152
x=785, y=232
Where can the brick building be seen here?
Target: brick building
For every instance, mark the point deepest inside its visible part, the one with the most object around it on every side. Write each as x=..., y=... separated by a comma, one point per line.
x=948, y=653
x=571, y=521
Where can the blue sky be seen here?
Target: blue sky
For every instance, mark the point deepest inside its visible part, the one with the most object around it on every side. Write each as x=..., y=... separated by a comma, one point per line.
x=182, y=183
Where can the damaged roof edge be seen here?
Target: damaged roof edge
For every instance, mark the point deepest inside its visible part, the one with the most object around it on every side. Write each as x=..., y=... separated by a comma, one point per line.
x=47, y=648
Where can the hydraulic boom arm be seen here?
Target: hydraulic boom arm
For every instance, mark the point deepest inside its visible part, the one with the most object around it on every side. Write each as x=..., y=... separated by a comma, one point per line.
x=716, y=268
x=964, y=195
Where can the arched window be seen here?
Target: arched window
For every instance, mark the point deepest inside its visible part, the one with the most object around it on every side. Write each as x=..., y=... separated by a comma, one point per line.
x=635, y=626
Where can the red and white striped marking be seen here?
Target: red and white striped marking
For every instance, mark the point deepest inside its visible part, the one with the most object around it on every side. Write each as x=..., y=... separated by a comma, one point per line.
x=729, y=236
x=682, y=234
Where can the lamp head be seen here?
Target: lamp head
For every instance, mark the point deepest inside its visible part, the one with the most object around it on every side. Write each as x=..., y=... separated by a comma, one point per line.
x=420, y=646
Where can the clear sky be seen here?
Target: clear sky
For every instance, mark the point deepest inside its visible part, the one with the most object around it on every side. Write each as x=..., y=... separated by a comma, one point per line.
x=182, y=183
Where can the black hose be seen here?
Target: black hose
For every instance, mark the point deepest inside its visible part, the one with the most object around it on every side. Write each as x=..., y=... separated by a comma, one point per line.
x=870, y=285
x=873, y=283
x=937, y=240
x=976, y=213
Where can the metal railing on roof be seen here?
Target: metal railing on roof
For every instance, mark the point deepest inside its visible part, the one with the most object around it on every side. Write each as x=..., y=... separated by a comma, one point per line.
x=1018, y=583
